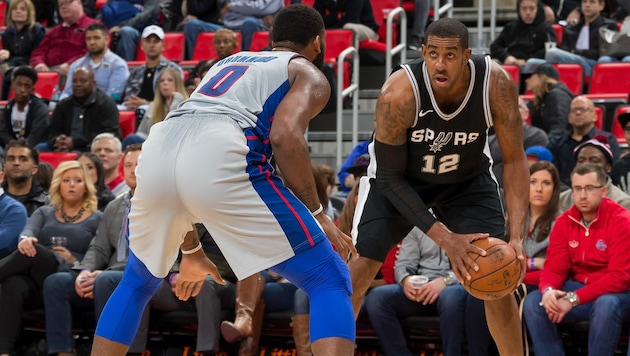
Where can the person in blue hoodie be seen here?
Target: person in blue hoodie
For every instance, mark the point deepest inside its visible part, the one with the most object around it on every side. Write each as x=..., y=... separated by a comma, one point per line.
x=12, y=219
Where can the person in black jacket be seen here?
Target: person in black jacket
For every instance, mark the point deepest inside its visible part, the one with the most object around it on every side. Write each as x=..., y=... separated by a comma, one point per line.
x=201, y=16
x=356, y=15
x=78, y=118
x=525, y=37
x=26, y=115
x=552, y=99
x=583, y=51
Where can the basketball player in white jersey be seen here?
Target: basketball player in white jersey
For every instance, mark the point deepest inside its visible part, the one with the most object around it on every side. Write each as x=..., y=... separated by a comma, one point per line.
x=430, y=151
x=208, y=162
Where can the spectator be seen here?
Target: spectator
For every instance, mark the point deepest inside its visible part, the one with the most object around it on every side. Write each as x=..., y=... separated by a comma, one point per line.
x=12, y=219
x=25, y=116
x=538, y=153
x=22, y=163
x=110, y=71
x=65, y=42
x=596, y=151
x=21, y=36
x=619, y=58
x=127, y=32
x=197, y=74
x=552, y=99
x=420, y=19
x=44, y=175
x=80, y=117
x=170, y=94
x=249, y=16
x=580, y=41
x=72, y=214
x=460, y=313
x=201, y=16
x=143, y=79
x=355, y=15
x=544, y=196
x=108, y=148
x=525, y=37
x=582, y=118
x=73, y=290
x=225, y=43
x=621, y=169
x=532, y=136
x=347, y=180
x=95, y=167
x=587, y=271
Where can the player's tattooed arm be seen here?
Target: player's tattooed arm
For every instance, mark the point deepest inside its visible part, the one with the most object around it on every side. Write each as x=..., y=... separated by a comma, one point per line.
x=503, y=96
x=395, y=110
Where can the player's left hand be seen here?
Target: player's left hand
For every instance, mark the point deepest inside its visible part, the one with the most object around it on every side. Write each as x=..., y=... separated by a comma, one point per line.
x=193, y=270
x=342, y=242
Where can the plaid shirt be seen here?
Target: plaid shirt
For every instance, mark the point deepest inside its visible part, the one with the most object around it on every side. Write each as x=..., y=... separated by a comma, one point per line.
x=136, y=76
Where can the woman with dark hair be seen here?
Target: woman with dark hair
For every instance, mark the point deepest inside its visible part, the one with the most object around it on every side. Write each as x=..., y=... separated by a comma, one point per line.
x=544, y=204
x=97, y=175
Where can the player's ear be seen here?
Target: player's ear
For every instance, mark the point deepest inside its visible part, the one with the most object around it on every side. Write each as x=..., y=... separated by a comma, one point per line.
x=467, y=54
x=316, y=44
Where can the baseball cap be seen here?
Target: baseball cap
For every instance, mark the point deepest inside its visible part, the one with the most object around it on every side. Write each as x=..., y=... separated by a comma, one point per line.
x=600, y=142
x=153, y=30
x=360, y=164
x=544, y=68
x=538, y=153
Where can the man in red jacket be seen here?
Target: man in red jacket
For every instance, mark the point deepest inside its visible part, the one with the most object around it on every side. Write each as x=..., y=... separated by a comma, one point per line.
x=587, y=272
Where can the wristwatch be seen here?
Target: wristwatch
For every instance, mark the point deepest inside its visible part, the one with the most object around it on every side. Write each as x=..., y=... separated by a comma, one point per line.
x=573, y=299
x=449, y=279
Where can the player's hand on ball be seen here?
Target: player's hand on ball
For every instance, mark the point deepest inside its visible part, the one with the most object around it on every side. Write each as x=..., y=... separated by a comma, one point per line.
x=457, y=247
x=342, y=242
x=193, y=270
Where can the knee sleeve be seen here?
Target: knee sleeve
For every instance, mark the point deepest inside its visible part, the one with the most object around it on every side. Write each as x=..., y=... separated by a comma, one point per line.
x=121, y=316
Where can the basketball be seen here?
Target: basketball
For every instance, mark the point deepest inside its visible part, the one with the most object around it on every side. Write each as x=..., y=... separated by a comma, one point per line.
x=499, y=270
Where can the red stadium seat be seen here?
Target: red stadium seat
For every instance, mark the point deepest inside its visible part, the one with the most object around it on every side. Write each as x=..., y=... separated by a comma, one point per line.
x=127, y=120
x=610, y=78
x=260, y=41
x=617, y=130
x=54, y=158
x=173, y=47
x=204, y=47
x=599, y=122
x=381, y=9
x=514, y=71
x=572, y=75
x=559, y=33
x=3, y=12
x=336, y=42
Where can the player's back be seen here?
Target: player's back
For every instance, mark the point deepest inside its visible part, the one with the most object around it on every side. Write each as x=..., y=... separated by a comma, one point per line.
x=247, y=86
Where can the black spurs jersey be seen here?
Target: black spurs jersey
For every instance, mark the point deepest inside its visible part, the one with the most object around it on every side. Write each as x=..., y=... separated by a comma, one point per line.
x=449, y=148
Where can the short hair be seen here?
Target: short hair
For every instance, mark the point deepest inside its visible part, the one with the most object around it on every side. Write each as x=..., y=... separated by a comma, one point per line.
x=226, y=32
x=133, y=147
x=24, y=144
x=90, y=202
x=97, y=26
x=586, y=168
x=297, y=23
x=25, y=71
x=108, y=136
x=449, y=28
x=30, y=21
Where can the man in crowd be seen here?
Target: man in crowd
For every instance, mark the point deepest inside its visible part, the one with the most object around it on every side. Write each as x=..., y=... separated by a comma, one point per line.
x=108, y=148
x=12, y=219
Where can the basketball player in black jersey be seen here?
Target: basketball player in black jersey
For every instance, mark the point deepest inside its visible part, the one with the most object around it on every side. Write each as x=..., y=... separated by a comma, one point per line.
x=430, y=151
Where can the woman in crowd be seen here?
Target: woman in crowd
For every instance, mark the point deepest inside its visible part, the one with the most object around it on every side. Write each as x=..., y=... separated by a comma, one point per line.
x=97, y=175
x=54, y=239
x=552, y=100
x=544, y=203
x=19, y=39
x=169, y=93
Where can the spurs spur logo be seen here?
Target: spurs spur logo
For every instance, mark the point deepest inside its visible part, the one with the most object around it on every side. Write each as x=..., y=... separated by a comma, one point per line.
x=441, y=140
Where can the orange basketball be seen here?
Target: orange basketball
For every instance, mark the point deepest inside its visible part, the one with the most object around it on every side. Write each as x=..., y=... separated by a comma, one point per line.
x=499, y=270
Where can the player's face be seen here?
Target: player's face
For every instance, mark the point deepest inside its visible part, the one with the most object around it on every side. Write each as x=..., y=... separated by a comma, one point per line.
x=540, y=188
x=72, y=187
x=586, y=201
x=446, y=61
x=319, y=60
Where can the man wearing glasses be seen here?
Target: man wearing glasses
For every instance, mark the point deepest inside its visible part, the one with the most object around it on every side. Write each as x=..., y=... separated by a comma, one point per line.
x=587, y=272
x=582, y=118
x=65, y=42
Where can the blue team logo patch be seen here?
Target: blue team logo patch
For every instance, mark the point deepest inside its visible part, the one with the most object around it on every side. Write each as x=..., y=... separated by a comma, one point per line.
x=601, y=245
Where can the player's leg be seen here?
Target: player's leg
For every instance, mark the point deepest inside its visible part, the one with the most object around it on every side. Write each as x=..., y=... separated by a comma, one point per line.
x=505, y=325
x=377, y=228
x=324, y=276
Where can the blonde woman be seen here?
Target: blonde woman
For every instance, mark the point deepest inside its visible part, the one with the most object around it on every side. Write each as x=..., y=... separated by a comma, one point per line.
x=19, y=39
x=170, y=92
x=73, y=215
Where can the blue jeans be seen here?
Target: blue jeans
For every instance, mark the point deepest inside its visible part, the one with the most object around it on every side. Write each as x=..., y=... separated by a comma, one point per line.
x=277, y=296
x=59, y=299
x=606, y=315
x=461, y=317
x=249, y=26
x=609, y=59
x=128, y=41
x=192, y=29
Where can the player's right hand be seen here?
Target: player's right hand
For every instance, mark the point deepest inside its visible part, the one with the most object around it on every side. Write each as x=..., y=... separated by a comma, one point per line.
x=342, y=242
x=193, y=270
x=457, y=247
